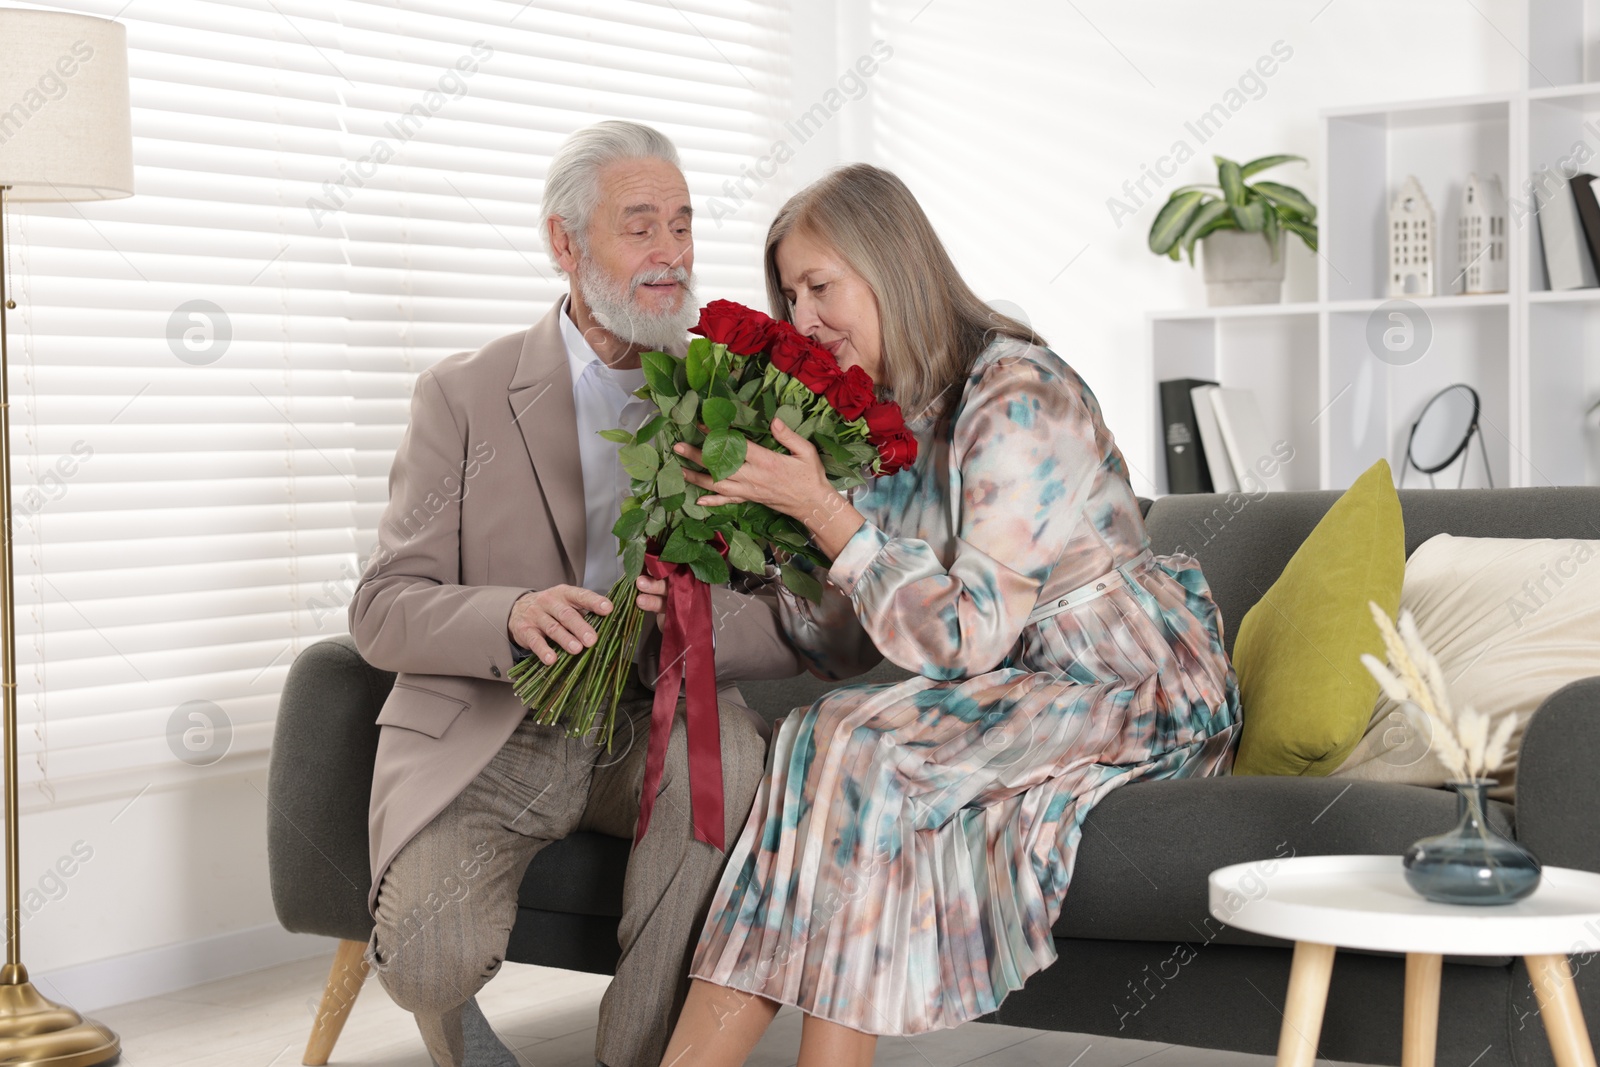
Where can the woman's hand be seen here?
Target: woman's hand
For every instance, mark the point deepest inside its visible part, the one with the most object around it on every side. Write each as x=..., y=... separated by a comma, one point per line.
x=795, y=485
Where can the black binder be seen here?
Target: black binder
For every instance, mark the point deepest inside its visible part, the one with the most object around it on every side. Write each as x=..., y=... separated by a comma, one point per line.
x=1186, y=461
x=1588, y=213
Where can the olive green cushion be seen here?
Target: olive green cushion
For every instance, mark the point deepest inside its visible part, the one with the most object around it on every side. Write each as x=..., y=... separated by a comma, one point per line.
x=1306, y=697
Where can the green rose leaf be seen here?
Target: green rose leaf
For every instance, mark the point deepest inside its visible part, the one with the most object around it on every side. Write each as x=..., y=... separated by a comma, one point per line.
x=744, y=553
x=656, y=522
x=621, y=437
x=679, y=547
x=800, y=583
x=847, y=480
x=633, y=558
x=718, y=414
x=748, y=390
x=723, y=453
x=709, y=566
x=649, y=429
x=640, y=461
x=697, y=364
x=630, y=525
x=659, y=371
x=861, y=452
x=684, y=410
x=787, y=533
x=670, y=481
x=790, y=415
x=837, y=450
x=693, y=510
x=696, y=529
x=672, y=503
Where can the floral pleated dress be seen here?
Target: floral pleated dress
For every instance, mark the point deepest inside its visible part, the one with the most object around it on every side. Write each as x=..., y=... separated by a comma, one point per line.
x=911, y=844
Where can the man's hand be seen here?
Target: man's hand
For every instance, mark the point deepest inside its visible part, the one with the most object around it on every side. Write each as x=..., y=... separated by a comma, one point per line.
x=652, y=596
x=554, y=616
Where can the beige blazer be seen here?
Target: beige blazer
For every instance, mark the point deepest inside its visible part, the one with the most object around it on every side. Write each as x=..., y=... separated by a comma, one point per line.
x=486, y=504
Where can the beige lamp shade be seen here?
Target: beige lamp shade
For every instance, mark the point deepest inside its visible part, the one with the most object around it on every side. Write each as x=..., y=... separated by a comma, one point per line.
x=65, y=132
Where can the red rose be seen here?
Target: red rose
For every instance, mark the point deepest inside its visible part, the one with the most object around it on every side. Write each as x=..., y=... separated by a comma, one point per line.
x=818, y=371
x=742, y=329
x=884, y=418
x=897, y=452
x=852, y=394
x=802, y=358
x=785, y=347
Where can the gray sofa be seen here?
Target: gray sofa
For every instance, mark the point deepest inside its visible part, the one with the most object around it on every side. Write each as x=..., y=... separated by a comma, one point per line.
x=1140, y=956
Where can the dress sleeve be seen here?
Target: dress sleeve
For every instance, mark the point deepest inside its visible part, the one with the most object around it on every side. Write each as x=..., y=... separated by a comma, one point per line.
x=1027, y=449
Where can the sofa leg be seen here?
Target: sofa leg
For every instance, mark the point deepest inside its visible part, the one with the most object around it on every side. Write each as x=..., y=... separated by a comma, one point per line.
x=338, y=997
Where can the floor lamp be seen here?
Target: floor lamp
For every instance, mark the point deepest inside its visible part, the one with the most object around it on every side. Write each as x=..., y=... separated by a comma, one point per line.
x=64, y=136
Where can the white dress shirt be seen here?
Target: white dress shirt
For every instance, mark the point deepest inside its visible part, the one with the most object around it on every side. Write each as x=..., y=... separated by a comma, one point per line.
x=603, y=400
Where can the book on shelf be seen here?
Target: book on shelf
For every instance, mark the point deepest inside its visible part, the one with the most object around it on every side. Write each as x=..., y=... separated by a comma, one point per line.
x=1567, y=261
x=1186, y=462
x=1256, y=464
x=1588, y=215
x=1212, y=447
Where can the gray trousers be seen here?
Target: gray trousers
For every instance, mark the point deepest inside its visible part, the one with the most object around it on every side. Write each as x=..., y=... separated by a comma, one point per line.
x=447, y=903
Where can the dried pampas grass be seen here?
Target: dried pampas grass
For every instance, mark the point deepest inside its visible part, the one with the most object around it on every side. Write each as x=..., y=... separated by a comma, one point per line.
x=1413, y=679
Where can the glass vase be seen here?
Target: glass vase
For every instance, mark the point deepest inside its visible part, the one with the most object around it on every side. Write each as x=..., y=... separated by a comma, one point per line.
x=1473, y=863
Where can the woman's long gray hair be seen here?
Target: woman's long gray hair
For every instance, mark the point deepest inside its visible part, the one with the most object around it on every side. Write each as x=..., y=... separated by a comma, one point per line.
x=933, y=324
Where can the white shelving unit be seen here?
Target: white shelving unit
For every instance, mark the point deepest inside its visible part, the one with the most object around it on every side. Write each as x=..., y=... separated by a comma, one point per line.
x=1532, y=354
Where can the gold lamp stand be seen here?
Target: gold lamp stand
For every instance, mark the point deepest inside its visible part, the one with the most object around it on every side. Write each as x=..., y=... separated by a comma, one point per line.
x=79, y=147
x=34, y=1030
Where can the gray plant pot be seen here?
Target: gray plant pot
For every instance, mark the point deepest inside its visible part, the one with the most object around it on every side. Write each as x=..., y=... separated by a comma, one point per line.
x=1239, y=268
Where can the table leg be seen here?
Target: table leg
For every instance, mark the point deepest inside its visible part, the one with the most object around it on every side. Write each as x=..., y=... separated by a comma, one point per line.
x=1421, y=1027
x=1558, y=1003
x=1303, y=1007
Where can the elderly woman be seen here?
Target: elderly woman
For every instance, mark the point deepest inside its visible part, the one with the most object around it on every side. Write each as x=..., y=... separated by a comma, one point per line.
x=910, y=847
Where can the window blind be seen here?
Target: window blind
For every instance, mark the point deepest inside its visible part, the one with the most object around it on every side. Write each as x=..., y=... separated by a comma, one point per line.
x=210, y=378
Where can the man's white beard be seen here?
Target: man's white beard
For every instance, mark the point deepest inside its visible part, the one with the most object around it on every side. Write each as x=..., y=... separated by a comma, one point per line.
x=615, y=308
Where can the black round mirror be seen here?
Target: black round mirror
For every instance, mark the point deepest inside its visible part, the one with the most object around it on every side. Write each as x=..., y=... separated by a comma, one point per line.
x=1443, y=430
x=1441, y=434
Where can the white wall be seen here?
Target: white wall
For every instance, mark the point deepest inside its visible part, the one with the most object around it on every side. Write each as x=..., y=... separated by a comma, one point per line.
x=1014, y=121
x=137, y=895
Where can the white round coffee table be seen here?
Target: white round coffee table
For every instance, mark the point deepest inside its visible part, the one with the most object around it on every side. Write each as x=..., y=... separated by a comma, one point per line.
x=1325, y=902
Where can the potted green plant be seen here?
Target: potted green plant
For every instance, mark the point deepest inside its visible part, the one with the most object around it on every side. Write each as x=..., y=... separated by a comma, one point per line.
x=1242, y=224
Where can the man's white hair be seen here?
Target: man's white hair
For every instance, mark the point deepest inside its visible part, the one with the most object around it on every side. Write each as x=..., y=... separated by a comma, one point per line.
x=572, y=184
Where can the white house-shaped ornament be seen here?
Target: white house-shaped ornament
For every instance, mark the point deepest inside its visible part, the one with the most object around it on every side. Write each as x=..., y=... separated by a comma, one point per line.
x=1481, y=233
x=1411, y=242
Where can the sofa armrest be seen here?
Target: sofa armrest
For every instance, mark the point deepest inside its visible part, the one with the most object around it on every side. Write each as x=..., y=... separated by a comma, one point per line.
x=1558, y=778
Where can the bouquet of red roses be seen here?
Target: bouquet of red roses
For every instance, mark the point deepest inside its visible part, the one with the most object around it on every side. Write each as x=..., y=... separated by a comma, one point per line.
x=744, y=370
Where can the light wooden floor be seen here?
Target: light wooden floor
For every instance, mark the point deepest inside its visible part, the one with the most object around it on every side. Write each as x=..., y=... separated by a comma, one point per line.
x=548, y=1018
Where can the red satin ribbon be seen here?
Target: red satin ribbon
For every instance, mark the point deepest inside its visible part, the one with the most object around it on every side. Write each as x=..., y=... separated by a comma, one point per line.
x=687, y=659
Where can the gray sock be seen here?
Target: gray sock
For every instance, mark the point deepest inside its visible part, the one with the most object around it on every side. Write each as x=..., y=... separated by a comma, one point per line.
x=483, y=1048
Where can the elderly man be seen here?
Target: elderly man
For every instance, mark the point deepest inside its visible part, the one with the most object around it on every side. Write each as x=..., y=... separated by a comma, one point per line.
x=496, y=541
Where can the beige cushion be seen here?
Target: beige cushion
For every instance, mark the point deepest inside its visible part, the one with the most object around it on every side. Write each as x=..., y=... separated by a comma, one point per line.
x=1511, y=621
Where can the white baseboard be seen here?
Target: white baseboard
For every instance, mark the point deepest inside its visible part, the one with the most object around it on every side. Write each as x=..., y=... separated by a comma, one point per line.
x=88, y=987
